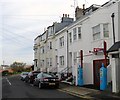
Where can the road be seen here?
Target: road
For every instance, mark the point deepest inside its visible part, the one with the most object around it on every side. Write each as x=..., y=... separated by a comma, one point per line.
x=13, y=87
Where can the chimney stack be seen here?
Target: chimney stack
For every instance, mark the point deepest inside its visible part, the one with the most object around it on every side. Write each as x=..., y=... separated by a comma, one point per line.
x=68, y=15
x=83, y=9
x=78, y=12
x=63, y=15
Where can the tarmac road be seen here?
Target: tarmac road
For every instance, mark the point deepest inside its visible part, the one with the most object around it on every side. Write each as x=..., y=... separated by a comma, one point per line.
x=13, y=87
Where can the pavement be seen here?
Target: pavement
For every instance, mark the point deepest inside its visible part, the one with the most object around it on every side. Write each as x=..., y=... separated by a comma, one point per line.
x=87, y=93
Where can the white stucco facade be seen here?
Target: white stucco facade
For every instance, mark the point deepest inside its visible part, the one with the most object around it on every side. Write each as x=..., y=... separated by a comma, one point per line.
x=87, y=33
x=86, y=43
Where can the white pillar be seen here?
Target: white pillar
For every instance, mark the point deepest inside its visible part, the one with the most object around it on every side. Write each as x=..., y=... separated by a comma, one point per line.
x=115, y=88
x=113, y=75
x=76, y=73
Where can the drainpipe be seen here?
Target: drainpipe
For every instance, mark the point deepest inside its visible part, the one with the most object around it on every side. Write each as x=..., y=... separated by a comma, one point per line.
x=105, y=53
x=81, y=56
x=113, y=15
x=67, y=54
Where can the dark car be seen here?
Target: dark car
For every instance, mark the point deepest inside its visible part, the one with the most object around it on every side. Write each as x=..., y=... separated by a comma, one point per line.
x=23, y=75
x=45, y=79
x=31, y=76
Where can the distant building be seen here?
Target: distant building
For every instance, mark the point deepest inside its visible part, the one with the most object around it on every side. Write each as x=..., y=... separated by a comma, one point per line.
x=5, y=67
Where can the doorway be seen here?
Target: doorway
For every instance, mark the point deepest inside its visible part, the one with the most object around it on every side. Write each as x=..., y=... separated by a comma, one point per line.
x=96, y=71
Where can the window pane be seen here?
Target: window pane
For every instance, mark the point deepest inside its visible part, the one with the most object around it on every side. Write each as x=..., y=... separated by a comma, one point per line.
x=74, y=34
x=96, y=32
x=61, y=41
x=61, y=60
x=75, y=58
x=105, y=30
x=70, y=37
x=79, y=32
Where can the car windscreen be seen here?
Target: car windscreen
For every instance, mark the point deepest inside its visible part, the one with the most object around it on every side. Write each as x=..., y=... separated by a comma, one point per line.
x=25, y=73
x=47, y=75
x=35, y=74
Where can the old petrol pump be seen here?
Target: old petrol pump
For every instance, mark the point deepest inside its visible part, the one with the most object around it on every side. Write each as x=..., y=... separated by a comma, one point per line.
x=80, y=75
x=103, y=71
x=80, y=70
x=103, y=77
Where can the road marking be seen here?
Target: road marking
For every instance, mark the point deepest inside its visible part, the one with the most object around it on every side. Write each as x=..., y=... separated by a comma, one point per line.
x=8, y=81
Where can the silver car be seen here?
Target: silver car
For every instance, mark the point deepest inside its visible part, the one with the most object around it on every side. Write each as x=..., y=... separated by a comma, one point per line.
x=23, y=75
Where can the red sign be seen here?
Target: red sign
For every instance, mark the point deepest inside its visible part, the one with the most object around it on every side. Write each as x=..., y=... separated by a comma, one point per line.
x=98, y=49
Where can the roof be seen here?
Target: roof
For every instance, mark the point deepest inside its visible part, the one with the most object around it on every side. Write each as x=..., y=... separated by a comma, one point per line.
x=114, y=47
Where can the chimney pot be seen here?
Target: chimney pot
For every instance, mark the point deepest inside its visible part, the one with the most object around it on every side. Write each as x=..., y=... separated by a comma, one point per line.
x=63, y=15
x=83, y=6
x=68, y=15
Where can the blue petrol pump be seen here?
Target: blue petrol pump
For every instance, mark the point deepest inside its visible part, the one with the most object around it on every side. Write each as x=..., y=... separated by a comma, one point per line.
x=103, y=77
x=80, y=76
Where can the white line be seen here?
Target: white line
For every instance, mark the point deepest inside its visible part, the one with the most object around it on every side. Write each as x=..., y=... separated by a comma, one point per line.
x=8, y=81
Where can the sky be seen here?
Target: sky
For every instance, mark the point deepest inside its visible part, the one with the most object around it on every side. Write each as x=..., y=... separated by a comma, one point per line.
x=21, y=21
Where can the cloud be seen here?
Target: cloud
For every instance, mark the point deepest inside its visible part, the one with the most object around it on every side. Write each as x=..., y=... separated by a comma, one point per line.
x=23, y=20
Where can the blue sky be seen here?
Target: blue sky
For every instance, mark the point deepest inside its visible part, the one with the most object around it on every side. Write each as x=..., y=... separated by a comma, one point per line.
x=23, y=20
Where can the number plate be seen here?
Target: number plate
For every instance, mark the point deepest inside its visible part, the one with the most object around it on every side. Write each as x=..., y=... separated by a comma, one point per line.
x=51, y=83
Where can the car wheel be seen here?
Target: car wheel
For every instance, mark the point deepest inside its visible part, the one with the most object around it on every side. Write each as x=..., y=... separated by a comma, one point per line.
x=29, y=81
x=20, y=78
x=34, y=83
x=40, y=85
x=57, y=86
x=26, y=80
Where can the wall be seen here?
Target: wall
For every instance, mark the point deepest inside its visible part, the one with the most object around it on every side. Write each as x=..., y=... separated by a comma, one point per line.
x=119, y=21
x=62, y=51
x=86, y=43
x=118, y=72
x=36, y=52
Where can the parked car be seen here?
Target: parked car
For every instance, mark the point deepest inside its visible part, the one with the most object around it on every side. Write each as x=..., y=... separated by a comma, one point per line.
x=45, y=79
x=23, y=75
x=31, y=76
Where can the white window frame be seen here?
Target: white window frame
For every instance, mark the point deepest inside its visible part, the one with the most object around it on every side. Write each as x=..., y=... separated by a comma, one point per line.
x=47, y=62
x=74, y=34
x=70, y=37
x=106, y=30
x=75, y=58
x=50, y=62
x=61, y=60
x=96, y=32
x=79, y=32
x=61, y=41
x=50, y=45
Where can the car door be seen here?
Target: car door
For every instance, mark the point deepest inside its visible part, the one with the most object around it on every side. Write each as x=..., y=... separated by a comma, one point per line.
x=38, y=78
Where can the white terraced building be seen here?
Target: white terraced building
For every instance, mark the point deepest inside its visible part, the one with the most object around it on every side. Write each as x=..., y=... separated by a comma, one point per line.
x=46, y=46
x=92, y=28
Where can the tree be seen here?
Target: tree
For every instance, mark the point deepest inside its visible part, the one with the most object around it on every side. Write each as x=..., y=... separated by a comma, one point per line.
x=18, y=66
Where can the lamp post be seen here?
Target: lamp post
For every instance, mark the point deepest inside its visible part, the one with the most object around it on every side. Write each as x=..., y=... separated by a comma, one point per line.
x=113, y=15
